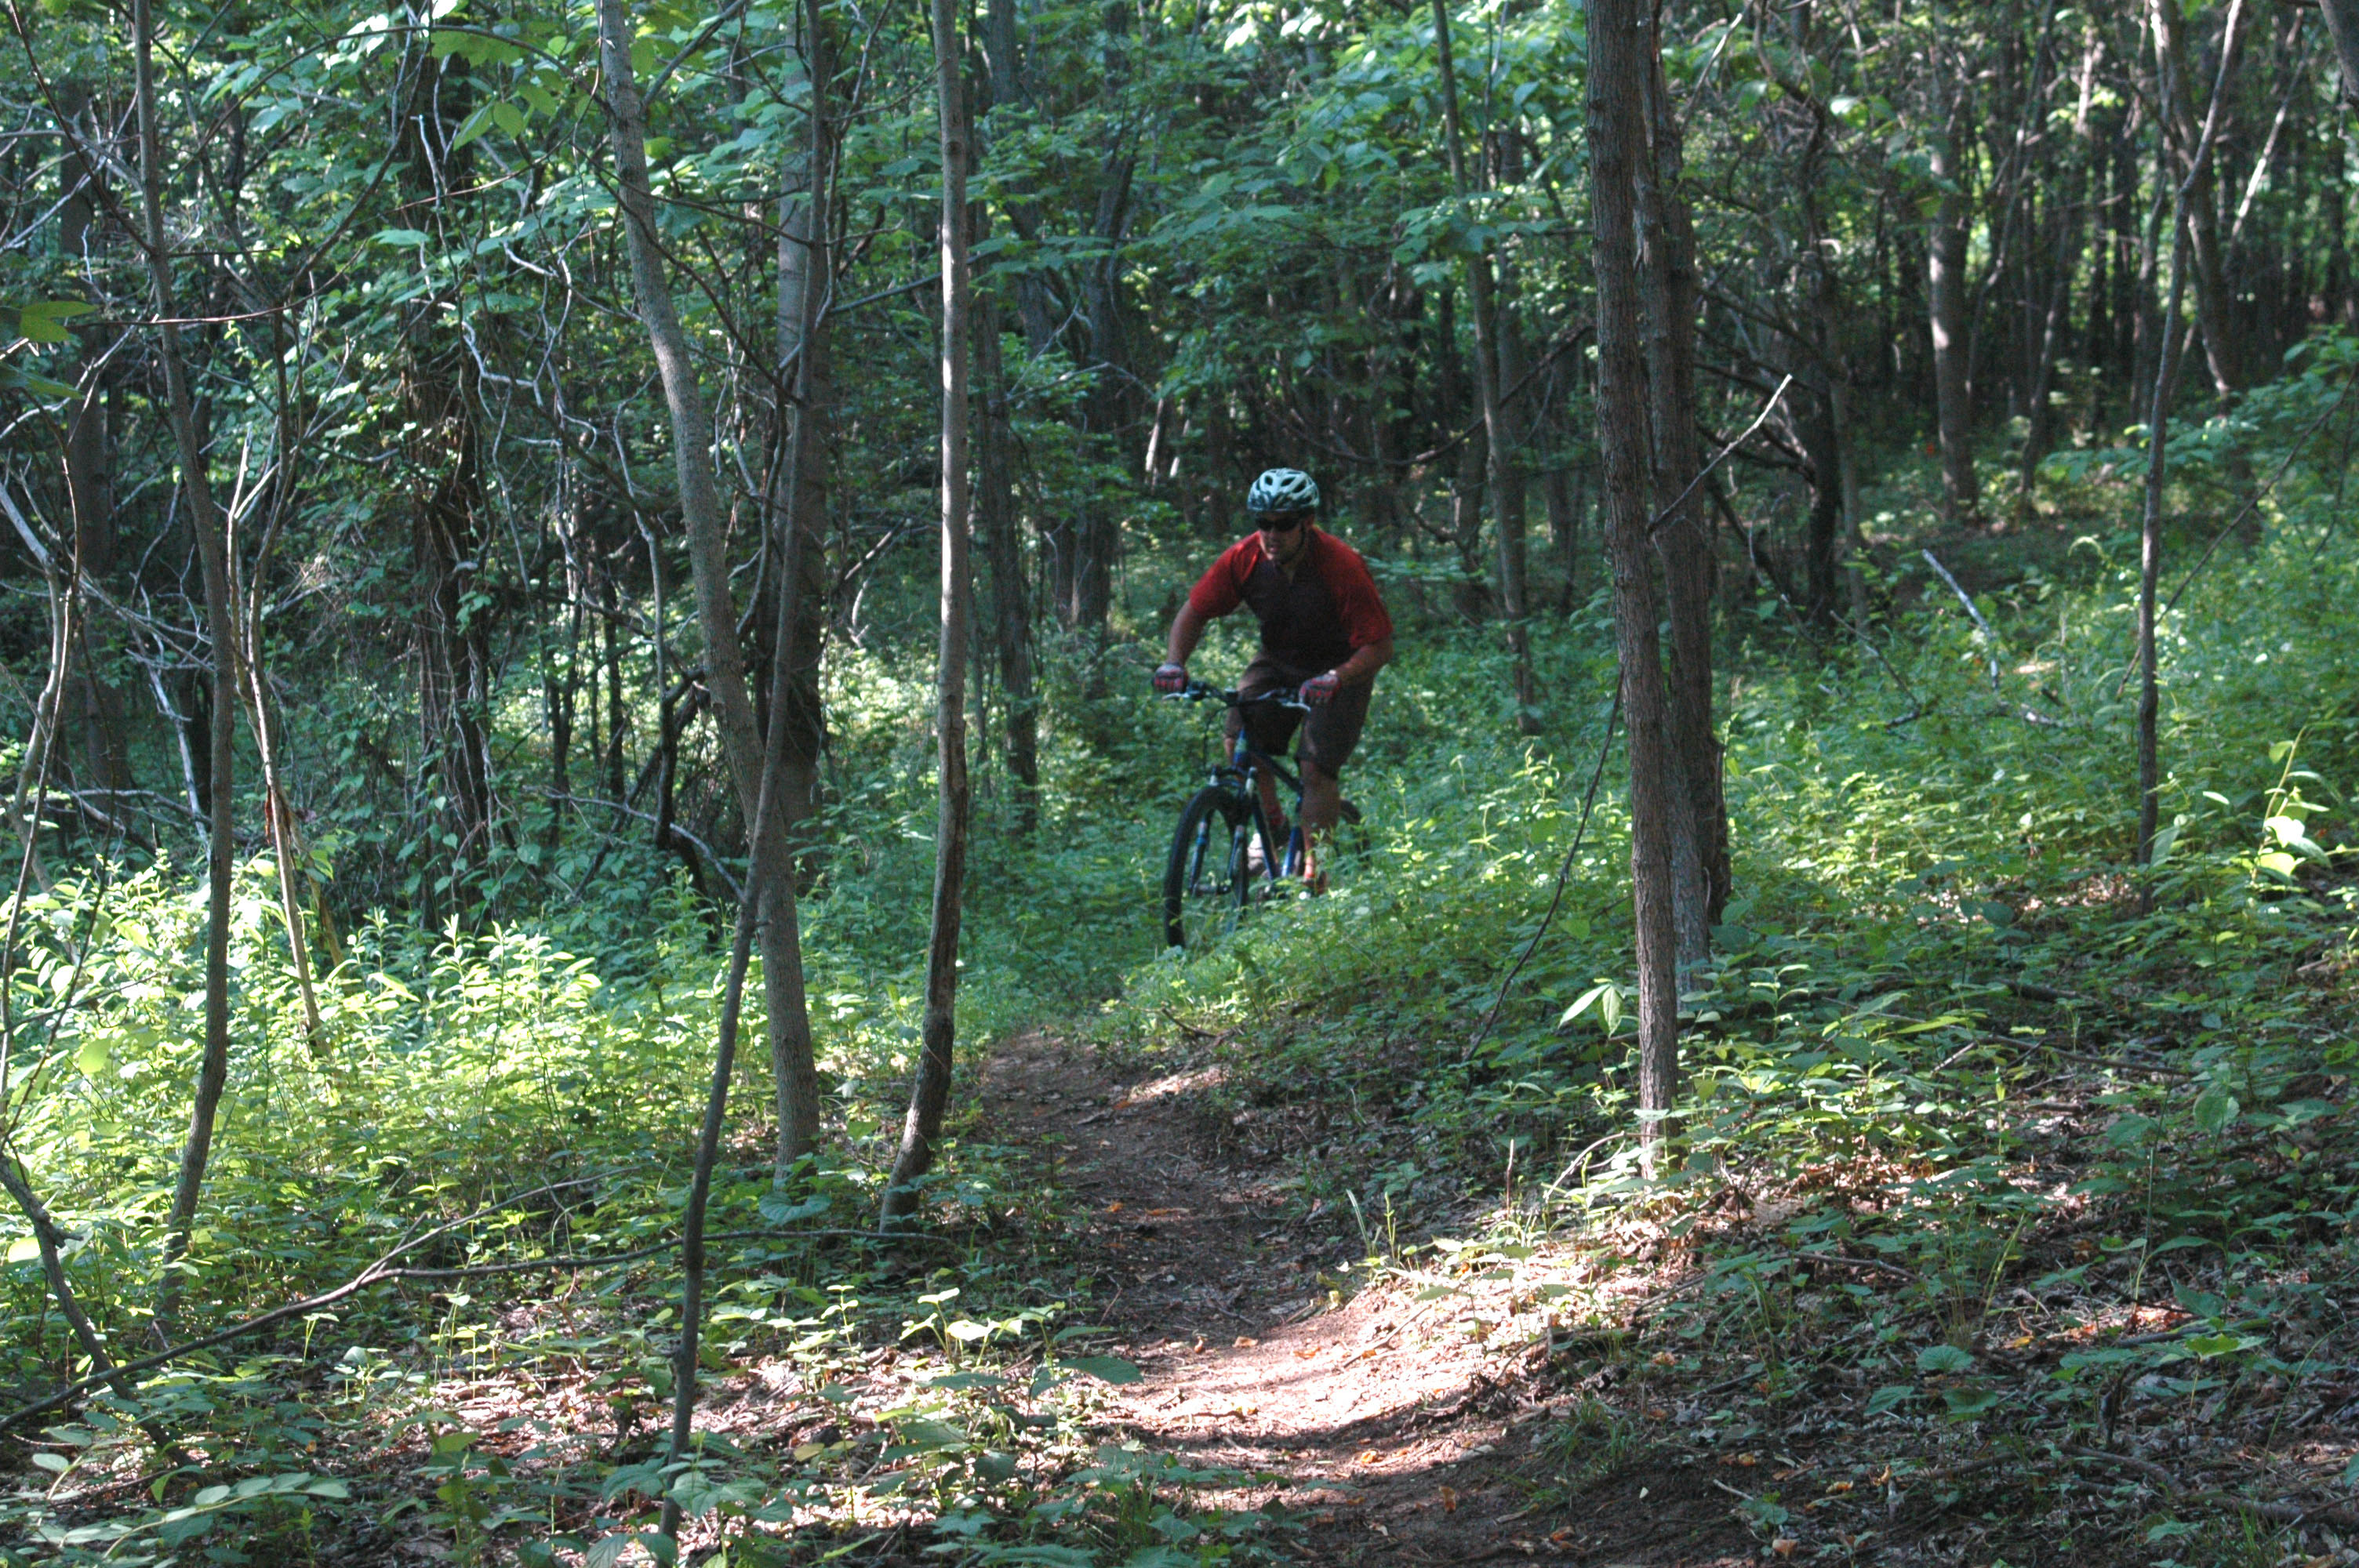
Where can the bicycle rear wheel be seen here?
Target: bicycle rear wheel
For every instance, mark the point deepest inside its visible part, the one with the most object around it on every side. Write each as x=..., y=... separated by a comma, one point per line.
x=1205, y=876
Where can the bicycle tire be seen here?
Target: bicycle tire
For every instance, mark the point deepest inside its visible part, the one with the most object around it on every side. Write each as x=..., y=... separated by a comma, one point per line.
x=1204, y=876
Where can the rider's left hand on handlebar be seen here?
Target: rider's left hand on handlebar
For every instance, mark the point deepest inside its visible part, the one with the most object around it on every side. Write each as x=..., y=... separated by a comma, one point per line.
x=1170, y=679
x=1320, y=688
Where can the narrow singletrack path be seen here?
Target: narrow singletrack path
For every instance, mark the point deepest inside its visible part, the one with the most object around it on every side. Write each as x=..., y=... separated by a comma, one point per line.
x=1386, y=1423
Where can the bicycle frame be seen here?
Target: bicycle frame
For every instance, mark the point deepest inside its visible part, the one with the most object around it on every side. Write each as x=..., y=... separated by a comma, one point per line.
x=1213, y=864
x=1241, y=776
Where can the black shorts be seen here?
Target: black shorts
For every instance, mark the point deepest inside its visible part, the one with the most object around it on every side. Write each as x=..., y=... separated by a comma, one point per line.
x=1330, y=731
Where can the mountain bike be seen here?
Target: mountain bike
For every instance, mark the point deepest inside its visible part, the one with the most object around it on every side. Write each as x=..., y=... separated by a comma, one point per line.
x=1223, y=858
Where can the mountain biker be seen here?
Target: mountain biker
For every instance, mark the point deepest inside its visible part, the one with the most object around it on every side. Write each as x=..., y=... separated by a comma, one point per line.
x=1323, y=631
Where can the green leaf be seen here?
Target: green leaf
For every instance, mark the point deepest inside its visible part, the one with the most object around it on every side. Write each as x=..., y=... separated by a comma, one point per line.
x=929, y=1436
x=475, y=124
x=1944, y=1359
x=400, y=238
x=1105, y=1368
x=1889, y=1397
x=92, y=1057
x=1970, y=1401
x=17, y=378
x=44, y=320
x=607, y=1551
x=778, y=1210
x=2216, y=1108
x=2210, y=1344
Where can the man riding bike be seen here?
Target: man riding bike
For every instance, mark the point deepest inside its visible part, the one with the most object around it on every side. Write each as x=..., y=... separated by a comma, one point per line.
x=1323, y=632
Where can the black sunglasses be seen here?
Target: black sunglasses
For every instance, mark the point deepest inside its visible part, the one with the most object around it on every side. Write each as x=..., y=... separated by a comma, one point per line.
x=1286, y=523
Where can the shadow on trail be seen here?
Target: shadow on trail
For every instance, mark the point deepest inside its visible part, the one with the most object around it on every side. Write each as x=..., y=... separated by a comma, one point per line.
x=1392, y=1433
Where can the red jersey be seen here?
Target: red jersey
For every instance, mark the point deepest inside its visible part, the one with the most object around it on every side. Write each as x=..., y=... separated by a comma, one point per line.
x=1315, y=621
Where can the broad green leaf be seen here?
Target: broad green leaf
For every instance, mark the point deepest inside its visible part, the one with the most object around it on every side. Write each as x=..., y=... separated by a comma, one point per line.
x=1105, y=1368
x=1944, y=1359
x=475, y=124
x=778, y=1210
x=44, y=320
x=2216, y=1108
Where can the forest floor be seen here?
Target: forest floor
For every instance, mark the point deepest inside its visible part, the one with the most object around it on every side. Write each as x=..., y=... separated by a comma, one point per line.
x=1539, y=1400
x=1395, y=1429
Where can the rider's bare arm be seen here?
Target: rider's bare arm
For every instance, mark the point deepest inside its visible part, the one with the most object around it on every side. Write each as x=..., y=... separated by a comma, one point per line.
x=1187, y=630
x=1362, y=665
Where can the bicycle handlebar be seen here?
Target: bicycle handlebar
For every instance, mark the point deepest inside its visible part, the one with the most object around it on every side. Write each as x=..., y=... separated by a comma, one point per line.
x=1196, y=691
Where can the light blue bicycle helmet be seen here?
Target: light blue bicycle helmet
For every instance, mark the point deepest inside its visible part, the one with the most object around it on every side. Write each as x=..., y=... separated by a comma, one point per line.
x=1282, y=489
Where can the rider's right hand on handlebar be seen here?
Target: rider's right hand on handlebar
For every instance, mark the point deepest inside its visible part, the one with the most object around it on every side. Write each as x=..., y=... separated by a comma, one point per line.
x=1170, y=679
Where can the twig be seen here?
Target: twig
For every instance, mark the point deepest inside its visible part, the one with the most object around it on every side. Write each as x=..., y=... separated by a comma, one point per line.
x=1703, y=473
x=1873, y=1265
x=1189, y=1030
x=2155, y=1069
x=2261, y=494
x=1990, y=638
x=2153, y=1472
x=1916, y=703
x=1563, y=871
x=380, y=1273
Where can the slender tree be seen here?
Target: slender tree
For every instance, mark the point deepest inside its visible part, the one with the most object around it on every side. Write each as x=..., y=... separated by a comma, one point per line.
x=220, y=634
x=1480, y=289
x=1946, y=283
x=706, y=523
x=921, y=1128
x=2342, y=26
x=1683, y=529
x=1621, y=64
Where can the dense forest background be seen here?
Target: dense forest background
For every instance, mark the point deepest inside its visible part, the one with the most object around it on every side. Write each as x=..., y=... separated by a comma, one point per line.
x=482, y=579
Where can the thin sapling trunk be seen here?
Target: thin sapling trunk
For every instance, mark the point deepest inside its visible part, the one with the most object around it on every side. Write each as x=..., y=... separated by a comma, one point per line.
x=921, y=1128
x=221, y=631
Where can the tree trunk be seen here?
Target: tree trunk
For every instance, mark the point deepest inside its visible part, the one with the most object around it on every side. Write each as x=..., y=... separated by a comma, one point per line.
x=2150, y=542
x=994, y=498
x=221, y=631
x=2213, y=306
x=96, y=717
x=1620, y=65
x=706, y=524
x=1506, y=485
x=921, y=1130
x=2069, y=214
x=799, y=521
x=1667, y=293
x=2342, y=26
x=994, y=510
x=1945, y=281
x=443, y=469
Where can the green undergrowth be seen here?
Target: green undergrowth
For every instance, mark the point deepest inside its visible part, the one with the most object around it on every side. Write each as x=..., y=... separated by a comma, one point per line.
x=1987, y=1136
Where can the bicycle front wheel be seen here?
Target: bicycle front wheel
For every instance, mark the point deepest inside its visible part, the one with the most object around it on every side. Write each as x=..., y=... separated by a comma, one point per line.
x=1204, y=877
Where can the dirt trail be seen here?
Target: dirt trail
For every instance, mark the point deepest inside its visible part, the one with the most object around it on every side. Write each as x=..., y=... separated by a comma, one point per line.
x=1392, y=1432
